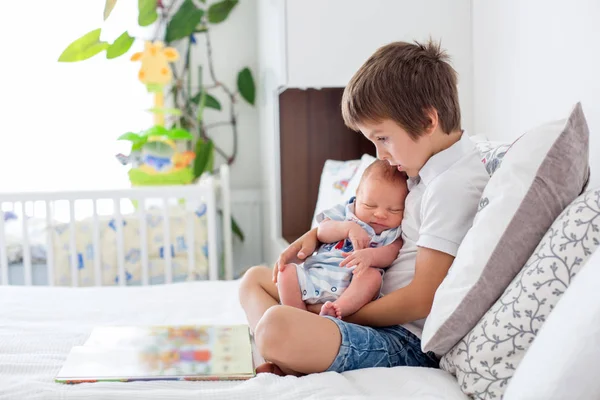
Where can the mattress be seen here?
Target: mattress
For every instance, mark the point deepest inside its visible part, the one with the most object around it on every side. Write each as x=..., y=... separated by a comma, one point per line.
x=39, y=325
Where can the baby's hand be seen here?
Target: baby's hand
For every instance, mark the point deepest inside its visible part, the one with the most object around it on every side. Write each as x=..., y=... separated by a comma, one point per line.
x=361, y=259
x=359, y=238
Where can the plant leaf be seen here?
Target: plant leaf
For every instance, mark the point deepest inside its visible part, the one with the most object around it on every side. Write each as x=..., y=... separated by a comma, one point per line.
x=130, y=136
x=204, y=160
x=218, y=12
x=184, y=22
x=235, y=228
x=83, y=48
x=179, y=134
x=245, y=84
x=108, y=7
x=209, y=101
x=120, y=46
x=147, y=12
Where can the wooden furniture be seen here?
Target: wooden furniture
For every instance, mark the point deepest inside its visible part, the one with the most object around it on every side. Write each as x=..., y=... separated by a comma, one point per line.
x=311, y=131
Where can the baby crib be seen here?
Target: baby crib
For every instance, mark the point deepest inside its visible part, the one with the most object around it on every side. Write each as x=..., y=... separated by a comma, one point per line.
x=134, y=236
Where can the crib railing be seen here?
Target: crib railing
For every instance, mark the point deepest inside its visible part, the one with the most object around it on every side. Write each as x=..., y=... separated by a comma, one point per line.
x=212, y=190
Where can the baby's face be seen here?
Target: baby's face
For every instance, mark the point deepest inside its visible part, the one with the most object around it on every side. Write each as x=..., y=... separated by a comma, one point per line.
x=380, y=203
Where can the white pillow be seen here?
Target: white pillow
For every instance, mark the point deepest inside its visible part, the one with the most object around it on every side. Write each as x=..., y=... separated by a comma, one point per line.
x=542, y=172
x=562, y=362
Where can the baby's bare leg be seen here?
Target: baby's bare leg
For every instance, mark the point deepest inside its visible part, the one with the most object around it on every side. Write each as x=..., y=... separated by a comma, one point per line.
x=361, y=290
x=289, y=288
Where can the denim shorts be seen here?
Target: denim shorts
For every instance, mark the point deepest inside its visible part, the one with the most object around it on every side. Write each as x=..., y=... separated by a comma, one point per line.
x=366, y=347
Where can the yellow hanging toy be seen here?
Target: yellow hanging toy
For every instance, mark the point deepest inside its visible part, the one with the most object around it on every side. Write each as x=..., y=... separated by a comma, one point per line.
x=155, y=72
x=154, y=154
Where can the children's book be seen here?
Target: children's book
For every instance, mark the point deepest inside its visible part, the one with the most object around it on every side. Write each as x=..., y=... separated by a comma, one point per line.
x=205, y=352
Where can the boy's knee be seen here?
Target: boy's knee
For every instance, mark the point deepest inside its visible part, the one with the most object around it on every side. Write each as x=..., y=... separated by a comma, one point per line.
x=255, y=275
x=252, y=278
x=272, y=331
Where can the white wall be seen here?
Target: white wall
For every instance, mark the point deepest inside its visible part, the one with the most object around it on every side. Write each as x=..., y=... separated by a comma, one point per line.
x=533, y=60
x=342, y=34
x=234, y=45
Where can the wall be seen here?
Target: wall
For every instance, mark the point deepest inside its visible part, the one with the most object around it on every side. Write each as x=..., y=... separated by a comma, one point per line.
x=344, y=33
x=234, y=46
x=532, y=61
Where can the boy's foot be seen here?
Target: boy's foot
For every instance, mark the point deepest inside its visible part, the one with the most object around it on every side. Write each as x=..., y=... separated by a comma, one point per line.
x=269, y=368
x=331, y=309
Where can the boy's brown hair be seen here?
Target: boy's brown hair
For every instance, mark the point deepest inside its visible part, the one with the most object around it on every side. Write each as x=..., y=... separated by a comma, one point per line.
x=402, y=81
x=383, y=170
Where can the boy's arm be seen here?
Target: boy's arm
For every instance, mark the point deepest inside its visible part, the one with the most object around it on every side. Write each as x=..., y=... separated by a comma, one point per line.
x=384, y=256
x=379, y=257
x=412, y=302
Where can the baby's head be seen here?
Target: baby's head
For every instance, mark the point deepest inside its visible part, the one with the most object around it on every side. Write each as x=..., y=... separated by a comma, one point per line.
x=380, y=196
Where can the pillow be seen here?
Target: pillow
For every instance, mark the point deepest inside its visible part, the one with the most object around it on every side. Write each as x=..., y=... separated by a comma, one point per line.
x=492, y=154
x=562, y=362
x=333, y=183
x=542, y=172
x=485, y=360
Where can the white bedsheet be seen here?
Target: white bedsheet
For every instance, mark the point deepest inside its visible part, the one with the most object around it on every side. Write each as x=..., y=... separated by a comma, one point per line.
x=39, y=325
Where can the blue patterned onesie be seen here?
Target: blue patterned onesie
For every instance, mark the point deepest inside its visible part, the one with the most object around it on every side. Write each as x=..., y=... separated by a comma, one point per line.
x=320, y=277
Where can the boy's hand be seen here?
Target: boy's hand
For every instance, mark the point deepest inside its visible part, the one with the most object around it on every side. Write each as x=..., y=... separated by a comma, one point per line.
x=359, y=238
x=296, y=252
x=361, y=259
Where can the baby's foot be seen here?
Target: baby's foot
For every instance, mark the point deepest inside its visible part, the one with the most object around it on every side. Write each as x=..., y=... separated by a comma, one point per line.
x=331, y=309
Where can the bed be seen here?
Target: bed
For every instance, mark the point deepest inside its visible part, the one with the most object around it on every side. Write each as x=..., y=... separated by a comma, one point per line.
x=39, y=325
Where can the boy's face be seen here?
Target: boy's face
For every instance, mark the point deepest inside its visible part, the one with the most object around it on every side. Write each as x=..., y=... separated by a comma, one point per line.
x=395, y=146
x=380, y=203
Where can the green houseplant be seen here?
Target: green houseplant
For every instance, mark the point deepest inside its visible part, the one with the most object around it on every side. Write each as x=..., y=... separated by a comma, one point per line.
x=181, y=24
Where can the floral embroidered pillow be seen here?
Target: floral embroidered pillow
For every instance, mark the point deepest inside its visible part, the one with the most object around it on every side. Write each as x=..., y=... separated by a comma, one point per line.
x=485, y=360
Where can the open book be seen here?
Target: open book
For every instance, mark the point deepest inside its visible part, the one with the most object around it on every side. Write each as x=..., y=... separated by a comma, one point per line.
x=208, y=352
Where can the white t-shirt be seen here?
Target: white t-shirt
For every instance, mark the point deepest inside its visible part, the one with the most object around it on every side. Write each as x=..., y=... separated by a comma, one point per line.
x=439, y=210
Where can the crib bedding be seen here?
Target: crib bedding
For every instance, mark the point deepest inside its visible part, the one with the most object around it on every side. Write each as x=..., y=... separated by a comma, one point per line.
x=180, y=223
x=39, y=325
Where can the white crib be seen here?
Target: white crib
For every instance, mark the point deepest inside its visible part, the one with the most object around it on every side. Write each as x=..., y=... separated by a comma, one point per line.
x=211, y=194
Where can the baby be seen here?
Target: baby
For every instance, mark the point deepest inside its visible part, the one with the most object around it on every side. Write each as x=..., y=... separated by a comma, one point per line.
x=346, y=272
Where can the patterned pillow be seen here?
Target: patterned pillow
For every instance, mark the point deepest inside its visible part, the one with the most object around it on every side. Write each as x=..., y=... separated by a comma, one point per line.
x=492, y=154
x=485, y=360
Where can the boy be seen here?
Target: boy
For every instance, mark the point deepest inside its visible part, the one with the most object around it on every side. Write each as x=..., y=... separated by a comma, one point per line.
x=403, y=99
x=359, y=235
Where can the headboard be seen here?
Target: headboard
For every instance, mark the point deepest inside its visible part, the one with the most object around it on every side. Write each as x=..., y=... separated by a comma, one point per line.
x=311, y=131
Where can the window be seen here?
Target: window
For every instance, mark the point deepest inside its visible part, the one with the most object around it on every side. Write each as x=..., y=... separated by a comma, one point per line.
x=60, y=121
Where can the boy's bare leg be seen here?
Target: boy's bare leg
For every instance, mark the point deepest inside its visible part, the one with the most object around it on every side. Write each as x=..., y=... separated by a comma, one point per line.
x=257, y=294
x=296, y=341
x=289, y=288
x=316, y=340
x=361, y=290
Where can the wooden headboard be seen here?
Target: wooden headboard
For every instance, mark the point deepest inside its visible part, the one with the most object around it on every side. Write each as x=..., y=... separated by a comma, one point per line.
x=311, y=131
